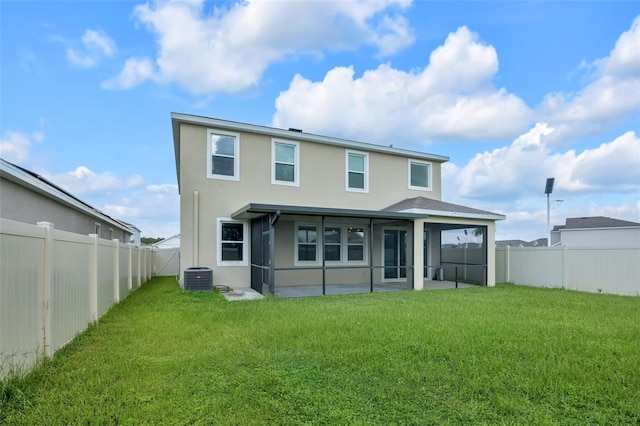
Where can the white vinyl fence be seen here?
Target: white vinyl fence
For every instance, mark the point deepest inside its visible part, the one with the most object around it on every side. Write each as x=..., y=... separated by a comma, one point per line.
x=614, y=270
x=167, y=261
x=54, y=283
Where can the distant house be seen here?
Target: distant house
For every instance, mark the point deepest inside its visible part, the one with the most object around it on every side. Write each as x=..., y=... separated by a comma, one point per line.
x=540, y=242
x=171, y=242
x=276, y=209
x=27, y=197
x=596, y=231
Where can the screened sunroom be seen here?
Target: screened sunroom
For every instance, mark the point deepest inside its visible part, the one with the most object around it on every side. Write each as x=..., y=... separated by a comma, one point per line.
x=304, y=251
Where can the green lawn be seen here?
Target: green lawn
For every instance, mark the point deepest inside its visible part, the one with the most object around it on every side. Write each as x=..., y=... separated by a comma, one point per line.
x=504, y=355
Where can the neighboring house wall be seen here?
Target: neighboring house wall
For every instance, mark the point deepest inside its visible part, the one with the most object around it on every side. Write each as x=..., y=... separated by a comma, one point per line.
x=321, y=182
x=28, y=197
x=601, y=237
x=23, y=205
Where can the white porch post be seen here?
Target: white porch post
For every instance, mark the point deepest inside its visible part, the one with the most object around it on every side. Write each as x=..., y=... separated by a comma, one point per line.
x=418, y=254
x=491, y=254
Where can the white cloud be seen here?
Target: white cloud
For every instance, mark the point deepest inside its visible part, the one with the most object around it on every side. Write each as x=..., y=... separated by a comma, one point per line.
x=96, y=45
x=154, y=209
x=519, y=170
x=84, y=182
x=613, y=93
x=229, y=49
x=135, y=71
x=452, y=98
x=15, y=146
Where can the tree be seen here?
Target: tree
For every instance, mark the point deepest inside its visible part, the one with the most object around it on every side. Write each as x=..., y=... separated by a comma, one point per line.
x=150, y=240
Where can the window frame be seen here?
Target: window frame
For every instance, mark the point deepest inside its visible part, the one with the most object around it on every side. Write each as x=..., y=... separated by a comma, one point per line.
x=236, y=156
x=344, y=244
x=245, y=243
x=429, y=166
x=319, y=244
x=296, y=163
x=365, y=173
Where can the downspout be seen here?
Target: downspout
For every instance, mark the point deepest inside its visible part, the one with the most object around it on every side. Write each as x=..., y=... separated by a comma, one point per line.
x=371, y=272
x=196, y=228
x=324, y=290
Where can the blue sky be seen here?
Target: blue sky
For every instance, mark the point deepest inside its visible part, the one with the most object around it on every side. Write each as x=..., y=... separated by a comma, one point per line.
x=513, y=92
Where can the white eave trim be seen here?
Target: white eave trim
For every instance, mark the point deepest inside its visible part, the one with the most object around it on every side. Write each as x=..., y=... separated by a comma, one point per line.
x=461, y=215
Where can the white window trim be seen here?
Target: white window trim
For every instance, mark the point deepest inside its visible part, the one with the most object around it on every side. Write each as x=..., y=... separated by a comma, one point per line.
x=366, y=171
x=296, y=166
x=236, y=157
x=319, y=244
x=245, y=243
x=344, y=244
x=393, y=280
x=97, y=228
x=429, y=174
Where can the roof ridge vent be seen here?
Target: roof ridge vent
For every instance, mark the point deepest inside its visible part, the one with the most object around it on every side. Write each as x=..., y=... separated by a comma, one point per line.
x=291, y=129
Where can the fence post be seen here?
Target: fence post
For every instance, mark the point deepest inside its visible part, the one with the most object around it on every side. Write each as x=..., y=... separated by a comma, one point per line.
x=116, y=271
x=130, y=272
x=565, y=266
x=139, y=269
x=507, y=262
x=93, y=280
x=47, y=281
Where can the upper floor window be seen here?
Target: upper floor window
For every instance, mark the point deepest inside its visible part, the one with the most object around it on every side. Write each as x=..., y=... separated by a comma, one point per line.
x=419, y=175
x=223, y=155
x=285, y=169
x=357, y=177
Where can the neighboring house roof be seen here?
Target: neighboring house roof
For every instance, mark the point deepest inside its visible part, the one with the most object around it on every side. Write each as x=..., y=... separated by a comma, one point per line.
x=521, y=243
x=173, y=241
x=178, y=118
x=440, y=208
x=39, y=184
x=594, y=222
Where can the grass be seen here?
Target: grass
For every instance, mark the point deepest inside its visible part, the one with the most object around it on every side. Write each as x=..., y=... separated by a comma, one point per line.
x=504, y=355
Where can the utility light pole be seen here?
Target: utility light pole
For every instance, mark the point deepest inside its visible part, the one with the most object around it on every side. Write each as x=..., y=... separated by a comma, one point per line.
x=548, y=189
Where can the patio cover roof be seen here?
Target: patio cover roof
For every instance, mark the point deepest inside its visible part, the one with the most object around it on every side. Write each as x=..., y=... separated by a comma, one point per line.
x=430, y=207
x=254, y=210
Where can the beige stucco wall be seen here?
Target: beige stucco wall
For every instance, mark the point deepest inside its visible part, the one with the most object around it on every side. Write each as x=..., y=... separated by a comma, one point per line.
x=321, y=184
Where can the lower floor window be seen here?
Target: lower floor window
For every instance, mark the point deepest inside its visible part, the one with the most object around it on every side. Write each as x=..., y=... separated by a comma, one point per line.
x=355, y=244
x=307, y=243
x=232, y=237
x=339, y=243
x=332, y=244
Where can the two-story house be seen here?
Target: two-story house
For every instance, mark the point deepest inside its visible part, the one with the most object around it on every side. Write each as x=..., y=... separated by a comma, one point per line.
x=279, y=210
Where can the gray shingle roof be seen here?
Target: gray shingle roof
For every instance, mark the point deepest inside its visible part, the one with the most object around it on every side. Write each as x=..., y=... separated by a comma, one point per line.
x=594, y=222
x=431, y=205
